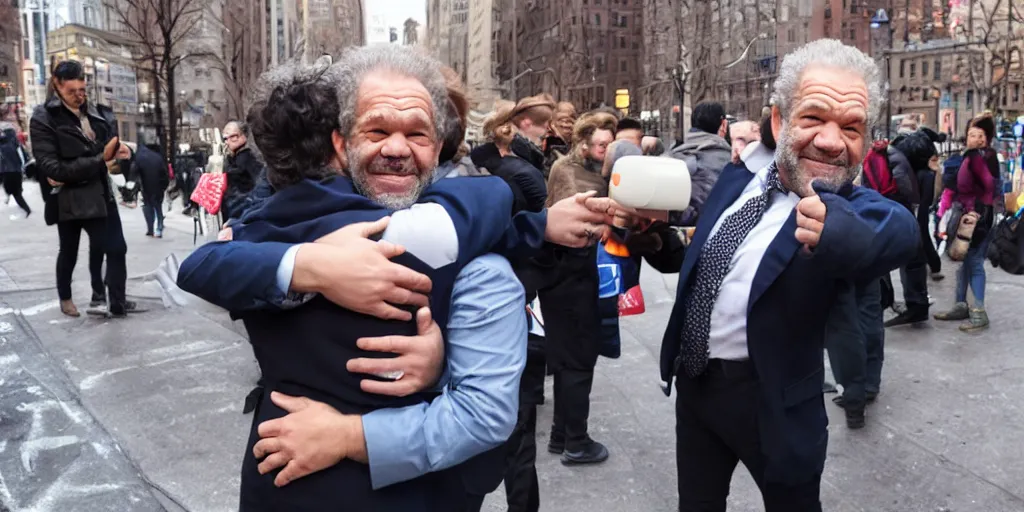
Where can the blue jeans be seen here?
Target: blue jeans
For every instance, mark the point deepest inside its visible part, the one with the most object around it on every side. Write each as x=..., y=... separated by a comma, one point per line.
x=972, y=273
x=152, y=208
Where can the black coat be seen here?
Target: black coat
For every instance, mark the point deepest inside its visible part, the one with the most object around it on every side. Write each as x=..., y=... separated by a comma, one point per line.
x=152, y=171
x=244, y=171
x=63, y=153
x=522, y=172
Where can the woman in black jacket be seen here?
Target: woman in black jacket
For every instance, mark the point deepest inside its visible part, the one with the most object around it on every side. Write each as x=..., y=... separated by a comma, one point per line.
x=75, y=145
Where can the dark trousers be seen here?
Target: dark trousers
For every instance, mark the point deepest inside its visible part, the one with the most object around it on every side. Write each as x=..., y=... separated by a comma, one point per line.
x=116, y=250
x=12, y=186
x=930, y=252
x=914, y=276
x=572, y=327
x=106, y=239
x=70, y=233
x=152, y=209
x=522, y=489
x=855, y=341
x=716, y=428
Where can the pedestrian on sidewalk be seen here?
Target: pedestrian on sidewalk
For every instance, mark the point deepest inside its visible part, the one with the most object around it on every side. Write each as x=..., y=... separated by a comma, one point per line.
x=153, y=174
x=76, y=146
x=12, y=164
x=977, y=190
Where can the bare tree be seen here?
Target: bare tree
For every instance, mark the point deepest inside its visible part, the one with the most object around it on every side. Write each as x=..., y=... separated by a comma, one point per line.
x=159, y=30
x=990, y=26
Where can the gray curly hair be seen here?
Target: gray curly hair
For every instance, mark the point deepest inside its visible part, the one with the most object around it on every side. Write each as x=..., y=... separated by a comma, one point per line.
x=356, y=63
x=831, y=53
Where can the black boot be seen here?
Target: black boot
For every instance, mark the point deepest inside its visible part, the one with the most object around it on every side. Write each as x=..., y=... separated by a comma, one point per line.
x=855, y=417
x=913, y=315
x=592, y=452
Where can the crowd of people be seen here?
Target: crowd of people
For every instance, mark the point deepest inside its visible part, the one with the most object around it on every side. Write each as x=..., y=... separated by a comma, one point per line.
x=384, y=271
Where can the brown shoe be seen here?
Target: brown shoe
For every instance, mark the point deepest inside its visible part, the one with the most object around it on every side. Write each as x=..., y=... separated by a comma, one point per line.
x=68, y=308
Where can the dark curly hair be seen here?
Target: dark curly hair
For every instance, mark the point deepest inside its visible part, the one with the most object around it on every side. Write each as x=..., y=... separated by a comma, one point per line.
x=293, y=112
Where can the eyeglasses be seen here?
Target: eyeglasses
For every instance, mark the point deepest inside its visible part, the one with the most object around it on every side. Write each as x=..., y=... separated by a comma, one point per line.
x=229, y=137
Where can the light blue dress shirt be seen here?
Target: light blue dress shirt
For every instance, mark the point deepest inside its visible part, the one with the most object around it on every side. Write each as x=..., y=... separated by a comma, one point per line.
x=479, y=401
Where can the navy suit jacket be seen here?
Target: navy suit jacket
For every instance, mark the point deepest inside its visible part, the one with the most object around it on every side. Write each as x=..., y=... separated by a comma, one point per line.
x=865, y=235
x=242, y=276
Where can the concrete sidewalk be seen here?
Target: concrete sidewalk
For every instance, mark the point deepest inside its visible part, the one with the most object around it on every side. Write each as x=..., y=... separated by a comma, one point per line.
x=145, y=413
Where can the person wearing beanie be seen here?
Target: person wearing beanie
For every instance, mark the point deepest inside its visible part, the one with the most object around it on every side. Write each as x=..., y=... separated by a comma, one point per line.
x=977, y=189
x=919, y=149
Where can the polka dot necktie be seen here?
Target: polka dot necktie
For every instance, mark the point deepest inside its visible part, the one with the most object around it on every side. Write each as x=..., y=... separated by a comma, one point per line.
x=711, y=268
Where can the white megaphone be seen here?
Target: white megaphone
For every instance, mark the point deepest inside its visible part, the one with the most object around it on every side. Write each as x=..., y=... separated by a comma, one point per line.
x=650, y=183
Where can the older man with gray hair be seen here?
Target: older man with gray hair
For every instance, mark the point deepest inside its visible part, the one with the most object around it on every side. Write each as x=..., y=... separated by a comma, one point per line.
x=768, y=258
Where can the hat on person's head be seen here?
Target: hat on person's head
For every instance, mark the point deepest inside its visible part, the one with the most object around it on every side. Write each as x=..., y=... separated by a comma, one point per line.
x=933, y=136
x=986, y=124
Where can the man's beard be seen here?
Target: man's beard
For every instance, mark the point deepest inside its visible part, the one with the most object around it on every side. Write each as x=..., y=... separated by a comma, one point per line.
x=380, y=165
x=797, y=181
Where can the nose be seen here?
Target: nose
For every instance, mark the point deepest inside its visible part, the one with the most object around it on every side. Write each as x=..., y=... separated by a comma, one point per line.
x=829, y=140
x=396, y=146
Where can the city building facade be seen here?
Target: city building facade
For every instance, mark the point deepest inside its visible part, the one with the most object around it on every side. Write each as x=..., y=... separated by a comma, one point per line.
x=110, y=71
x=587, y=52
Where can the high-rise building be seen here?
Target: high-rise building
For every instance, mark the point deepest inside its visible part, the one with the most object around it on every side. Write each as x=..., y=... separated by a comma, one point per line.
x=110, y=71
x=588, y=53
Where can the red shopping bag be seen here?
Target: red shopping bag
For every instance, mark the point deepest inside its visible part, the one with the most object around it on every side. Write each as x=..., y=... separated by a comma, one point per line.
x=632, y=302
x=210, y=191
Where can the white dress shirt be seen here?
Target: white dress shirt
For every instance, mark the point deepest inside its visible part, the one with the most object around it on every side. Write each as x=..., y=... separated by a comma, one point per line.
x=728, y=336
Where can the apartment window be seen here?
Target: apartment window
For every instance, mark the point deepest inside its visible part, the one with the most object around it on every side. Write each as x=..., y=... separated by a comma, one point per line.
x=622, y=21
x=597, y=19
x=622, y=41
x=853, y=34
x=574, y=20
x=970, y=97
x=197, y=94
x=1016, y=93
x=938, y=69
x=903, y=68
x=623, y=66
x=198, y=72
x=913, y=69
x=924, y=69
x=853, y=6
x=209, y=94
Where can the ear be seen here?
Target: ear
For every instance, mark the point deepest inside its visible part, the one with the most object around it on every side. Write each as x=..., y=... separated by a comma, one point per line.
x=776, y=123
x=339, y=149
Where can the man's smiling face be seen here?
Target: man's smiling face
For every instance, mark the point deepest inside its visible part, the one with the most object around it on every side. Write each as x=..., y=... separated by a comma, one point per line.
x=825, y=136
x=393, y=147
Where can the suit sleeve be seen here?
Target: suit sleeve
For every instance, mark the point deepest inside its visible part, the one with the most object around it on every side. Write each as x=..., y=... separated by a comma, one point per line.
x=865, y=235
x=237, y=275
x=49, y=163
x=481, y=209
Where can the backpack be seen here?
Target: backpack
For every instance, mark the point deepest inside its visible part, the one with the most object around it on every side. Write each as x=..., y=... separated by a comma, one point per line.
x=877, y=174
x=950, y=168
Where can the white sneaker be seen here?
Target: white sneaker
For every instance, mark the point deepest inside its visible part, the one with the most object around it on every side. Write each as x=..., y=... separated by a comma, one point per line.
x=16, y=217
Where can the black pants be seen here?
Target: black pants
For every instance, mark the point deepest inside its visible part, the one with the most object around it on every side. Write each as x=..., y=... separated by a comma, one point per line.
x=572, y=327
x=914, y=276
x=12, y=186
x=856, y=341
x=716, y=428
x=522, y=490
x=930, y=251
x=106, y=239
x=70, y=233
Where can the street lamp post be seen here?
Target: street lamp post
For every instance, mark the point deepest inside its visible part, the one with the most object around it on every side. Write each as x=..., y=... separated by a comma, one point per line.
x=881, y=19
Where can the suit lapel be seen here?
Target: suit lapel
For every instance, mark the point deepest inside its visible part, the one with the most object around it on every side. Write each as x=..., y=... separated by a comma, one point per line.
x=781, y=251
x=728, y=188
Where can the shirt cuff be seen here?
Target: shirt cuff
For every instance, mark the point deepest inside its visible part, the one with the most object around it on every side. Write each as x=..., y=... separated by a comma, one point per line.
x=286, y=268
x=387, y=432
